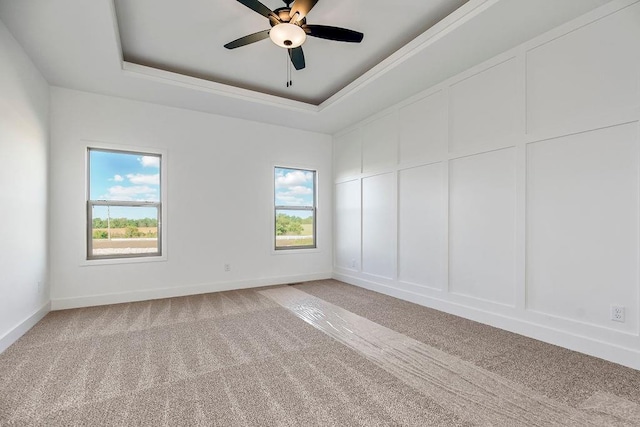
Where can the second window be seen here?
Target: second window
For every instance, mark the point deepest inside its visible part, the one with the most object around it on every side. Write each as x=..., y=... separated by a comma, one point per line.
x=295, y=208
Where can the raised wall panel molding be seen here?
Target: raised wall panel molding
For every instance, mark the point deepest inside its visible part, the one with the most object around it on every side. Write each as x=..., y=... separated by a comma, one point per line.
x=347, y=225
x=485, y=148
x=565, y=77
x=422, y=129
x=380, y=143
x=379, y=225
x=348, y=155
x=497, y=270
x=582, y=226
x=482, y=204
x=483, y=108
x=421, y=236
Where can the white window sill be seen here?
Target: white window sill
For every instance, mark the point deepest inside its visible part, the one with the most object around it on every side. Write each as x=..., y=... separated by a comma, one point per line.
x=295, y=251
x=112, y=261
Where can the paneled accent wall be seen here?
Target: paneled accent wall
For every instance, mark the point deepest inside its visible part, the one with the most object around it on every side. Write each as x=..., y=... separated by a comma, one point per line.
x=421, y=226
x=482, y=194
x=509, y=194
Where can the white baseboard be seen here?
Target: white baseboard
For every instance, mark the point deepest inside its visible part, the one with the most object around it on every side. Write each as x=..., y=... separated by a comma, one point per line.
x=21, y=328
x=150, y=294
x=594, y=347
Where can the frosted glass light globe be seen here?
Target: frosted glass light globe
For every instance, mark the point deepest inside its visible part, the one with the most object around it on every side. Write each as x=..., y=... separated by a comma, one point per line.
x=287, y=35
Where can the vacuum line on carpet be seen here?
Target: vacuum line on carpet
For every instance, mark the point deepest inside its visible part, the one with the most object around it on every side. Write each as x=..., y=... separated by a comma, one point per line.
x=475, y=394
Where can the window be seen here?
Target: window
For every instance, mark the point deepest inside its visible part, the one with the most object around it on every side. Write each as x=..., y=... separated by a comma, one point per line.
x=295, y=208
x=124, y=206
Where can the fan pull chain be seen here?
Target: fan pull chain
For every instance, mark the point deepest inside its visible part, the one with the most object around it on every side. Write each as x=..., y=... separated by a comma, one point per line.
x=289, y=80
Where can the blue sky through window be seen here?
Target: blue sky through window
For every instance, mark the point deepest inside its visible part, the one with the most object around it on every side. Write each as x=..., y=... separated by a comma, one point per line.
x=294, y=187
x=124, y=177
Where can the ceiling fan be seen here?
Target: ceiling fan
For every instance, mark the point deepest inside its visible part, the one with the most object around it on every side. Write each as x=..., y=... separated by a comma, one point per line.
x=289, y=29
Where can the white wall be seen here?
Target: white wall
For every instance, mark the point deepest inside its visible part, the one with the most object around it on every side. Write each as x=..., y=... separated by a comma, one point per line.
x=509, y=194
x=219, y=201
x=24, y=141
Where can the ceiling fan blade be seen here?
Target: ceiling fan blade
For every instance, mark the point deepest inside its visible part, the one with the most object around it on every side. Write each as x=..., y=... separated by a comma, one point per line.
x=302, y=8
x=263, y=10
x=297, y=58
x=333, y=33
x=251, y=38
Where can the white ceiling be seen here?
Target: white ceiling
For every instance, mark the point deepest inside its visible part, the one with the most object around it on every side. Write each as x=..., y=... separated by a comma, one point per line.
x=77, y=44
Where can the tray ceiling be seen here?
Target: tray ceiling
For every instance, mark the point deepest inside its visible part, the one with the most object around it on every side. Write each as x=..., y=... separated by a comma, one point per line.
x=172, y=53
x=187, y=38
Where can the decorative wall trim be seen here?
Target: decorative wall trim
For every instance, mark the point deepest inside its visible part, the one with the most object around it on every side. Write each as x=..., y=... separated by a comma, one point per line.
x=610, y=341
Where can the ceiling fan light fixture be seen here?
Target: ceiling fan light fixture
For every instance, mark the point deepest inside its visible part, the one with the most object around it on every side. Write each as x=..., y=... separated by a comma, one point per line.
x=287, y=35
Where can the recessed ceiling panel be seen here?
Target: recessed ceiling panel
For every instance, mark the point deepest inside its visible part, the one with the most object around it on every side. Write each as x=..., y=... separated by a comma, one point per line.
x=188, y=38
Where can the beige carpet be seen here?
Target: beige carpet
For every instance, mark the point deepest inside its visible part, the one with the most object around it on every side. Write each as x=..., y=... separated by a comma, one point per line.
x=242, y=358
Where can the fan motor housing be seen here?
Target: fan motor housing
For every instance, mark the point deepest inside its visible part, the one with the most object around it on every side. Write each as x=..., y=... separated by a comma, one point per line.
x=283, y=14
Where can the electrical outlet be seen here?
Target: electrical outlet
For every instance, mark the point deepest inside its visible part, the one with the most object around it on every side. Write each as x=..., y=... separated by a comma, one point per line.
x=227, y=267
x=353, y=263
x=39, y=287
x=617, y=313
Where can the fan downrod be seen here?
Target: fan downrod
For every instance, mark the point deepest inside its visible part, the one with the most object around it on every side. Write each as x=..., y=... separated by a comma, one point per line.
x=288, y=3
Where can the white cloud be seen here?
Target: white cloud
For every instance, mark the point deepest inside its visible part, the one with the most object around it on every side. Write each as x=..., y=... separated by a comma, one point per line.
x=299, y=190
x=295, y=178
x=296, y=196
x=118, y=178
x=137, y=193
x=149, y=161
x=294, y=188
x=144, y=179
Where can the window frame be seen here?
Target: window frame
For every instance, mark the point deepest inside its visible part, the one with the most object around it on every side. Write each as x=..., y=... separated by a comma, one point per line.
x=89, y=257
x=313, y=209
